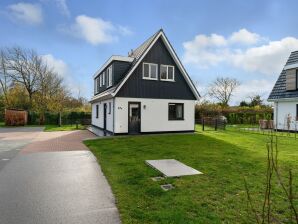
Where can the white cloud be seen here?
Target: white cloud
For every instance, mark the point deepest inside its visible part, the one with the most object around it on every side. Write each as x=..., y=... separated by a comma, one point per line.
x=26, y=12
x=266, y=59
x=96, y=30
x=125, y=31
x=261, y=87
x=243, y=36
x=205, y=51
x=61, y=4
x=58, y=65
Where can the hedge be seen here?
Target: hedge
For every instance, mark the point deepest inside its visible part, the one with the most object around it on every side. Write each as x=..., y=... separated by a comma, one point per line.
x=66, y=118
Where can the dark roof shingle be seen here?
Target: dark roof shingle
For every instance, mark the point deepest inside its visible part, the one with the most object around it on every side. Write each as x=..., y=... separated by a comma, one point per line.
x=279, y=90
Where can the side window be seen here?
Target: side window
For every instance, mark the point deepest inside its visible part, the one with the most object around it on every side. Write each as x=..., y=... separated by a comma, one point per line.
x=100, y=80
x=110, y=107
x=176, y=111
x=150, y=71
x=109, y=76
x=104, y=78
x=96, y=111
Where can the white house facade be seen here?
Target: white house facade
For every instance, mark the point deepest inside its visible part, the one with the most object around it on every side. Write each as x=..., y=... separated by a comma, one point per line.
x=148, y=91
x=284, y=95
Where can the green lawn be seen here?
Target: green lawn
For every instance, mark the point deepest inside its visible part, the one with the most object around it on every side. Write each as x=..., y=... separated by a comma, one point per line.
x=67, y=127
x=217, y=196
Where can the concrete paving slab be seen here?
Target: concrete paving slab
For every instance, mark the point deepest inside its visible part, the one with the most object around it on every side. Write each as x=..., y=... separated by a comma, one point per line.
x=172, y=168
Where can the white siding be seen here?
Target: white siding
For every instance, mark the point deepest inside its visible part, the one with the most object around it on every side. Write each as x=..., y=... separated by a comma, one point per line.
x=99, y=121
x=154, y=117
x=281, y=111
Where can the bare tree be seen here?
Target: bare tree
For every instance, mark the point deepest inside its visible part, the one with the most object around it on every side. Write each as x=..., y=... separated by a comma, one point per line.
x=22, y=68
x=222, y=89
x=4, y=77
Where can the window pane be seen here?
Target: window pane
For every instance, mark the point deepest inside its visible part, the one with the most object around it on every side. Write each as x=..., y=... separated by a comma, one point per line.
x=163, y=72
x=110, y=76
x=179, y=111
x=172, y=111
x=103, y=78
x=146, y=70
x=153, y=71
x=170, y=73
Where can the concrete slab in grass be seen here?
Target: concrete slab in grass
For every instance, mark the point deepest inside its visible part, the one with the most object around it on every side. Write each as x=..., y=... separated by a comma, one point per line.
x=172, y=168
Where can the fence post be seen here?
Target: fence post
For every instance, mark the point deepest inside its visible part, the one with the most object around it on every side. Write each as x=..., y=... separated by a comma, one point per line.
x=203, y=128
x=216, y=124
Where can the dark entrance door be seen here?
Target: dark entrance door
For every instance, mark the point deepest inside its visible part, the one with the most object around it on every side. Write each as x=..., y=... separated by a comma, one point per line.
x=134, y=118
x=105, y=116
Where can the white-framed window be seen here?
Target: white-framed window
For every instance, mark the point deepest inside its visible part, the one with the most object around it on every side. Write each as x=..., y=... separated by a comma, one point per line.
x=104, y=78
x=109, y=76
x=100, y=80
x=167, y=73
x=150, y=71
x=96, y=85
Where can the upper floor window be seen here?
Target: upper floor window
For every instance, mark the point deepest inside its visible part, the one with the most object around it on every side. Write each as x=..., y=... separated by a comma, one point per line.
x=109, y=76
x=96, y=85
x=104, y=78
x=100, y=80
x=167, y=72
x=150, y=71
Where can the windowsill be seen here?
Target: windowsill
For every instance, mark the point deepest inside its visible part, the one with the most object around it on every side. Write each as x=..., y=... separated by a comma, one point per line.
x=176, y=119
x=167, y=80
x=150, y=78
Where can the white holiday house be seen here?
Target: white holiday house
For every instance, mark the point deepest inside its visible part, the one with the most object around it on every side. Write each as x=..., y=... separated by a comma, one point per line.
x=147, y=91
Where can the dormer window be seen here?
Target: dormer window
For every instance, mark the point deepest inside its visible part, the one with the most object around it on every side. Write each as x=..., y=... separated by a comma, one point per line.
x=104, y=78
x=109, y=76
x=167, y=73
x=150, y=71
x=291, y=79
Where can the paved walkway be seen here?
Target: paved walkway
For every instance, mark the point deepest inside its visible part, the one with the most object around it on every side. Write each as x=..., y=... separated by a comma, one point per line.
x=59, y=141
x=54, y=179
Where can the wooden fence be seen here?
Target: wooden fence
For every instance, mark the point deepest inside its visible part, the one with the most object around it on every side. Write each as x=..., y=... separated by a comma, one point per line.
x=15, y=117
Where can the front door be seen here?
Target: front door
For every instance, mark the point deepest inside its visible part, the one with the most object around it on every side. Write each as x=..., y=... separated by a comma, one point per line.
x=134, y=118
x=105, y=116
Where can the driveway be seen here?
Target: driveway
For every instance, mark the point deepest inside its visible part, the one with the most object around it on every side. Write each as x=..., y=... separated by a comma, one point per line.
x=51, y=177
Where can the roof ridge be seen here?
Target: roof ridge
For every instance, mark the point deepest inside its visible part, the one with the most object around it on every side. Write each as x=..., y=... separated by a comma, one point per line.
x=137, y=52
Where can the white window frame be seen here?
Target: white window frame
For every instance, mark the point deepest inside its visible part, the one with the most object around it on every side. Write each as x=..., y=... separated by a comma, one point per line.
x=167, y=79
x=100, y=80
x=110, y=81
x=104, y=78
x=149, y=64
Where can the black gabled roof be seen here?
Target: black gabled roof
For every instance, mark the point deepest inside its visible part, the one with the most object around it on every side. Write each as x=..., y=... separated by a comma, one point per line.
x=279, y=90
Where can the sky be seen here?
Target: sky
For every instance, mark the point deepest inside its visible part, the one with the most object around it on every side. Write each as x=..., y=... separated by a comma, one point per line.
x=246, y=40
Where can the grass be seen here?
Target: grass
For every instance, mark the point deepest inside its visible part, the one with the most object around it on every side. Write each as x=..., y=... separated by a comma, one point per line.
x=67, y=127
x=217, y=196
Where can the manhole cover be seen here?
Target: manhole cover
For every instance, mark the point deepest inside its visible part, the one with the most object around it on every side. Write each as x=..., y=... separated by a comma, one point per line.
x=167, y=187
x=157, y=178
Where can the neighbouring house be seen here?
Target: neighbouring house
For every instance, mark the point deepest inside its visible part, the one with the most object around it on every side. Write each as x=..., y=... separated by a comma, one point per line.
x=147, y=91
x=285, y=96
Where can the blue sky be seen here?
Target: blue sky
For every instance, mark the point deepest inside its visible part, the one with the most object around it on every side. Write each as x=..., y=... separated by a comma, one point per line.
x=248, y=40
